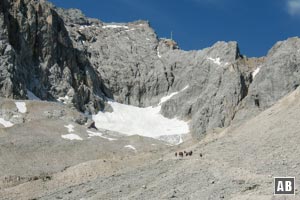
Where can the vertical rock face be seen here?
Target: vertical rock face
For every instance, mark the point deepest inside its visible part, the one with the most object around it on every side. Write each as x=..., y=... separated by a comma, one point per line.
x=7, y=59
x=125, y=56
x=61, y=55
x=216, y=85
x=277, y=76
x=40, y=57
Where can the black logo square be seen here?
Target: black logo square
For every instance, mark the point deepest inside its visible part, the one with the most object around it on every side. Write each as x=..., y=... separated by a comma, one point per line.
x=284, y=185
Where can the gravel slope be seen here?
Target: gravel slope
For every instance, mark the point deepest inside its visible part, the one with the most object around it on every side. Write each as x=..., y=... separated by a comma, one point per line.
x=238, y=163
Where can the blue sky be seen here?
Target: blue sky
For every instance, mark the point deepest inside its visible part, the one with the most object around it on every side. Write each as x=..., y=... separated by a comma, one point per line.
x=255, y=24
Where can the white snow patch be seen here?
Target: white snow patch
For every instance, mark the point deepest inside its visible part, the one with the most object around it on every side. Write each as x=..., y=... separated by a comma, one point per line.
x=180, y=140
x=5, y=123
x=63, y=99
x=115, y=26
x=131, y=120
x=98, y=134
x=148, y=39
x=255, y=72
x=71, y=137
x=166, y=98
x=130, y=147
x=130, y=30
x=85, y=26
x=21, y=107
x=215, y=60
x=158, y=54
x=32, y=96
x=70, y=128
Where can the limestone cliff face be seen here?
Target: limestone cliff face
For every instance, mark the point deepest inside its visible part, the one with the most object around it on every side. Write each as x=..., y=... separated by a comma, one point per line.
x=61, y=55
x=275, y=77
x=217, y=84
x=38, y=55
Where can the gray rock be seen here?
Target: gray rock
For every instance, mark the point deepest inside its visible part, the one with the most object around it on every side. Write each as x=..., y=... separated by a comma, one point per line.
x=279, y=75
x=216, y=86
x=38, y=55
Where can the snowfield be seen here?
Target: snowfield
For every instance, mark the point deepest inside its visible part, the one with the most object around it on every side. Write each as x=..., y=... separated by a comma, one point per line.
x=71, y=137
x=114, y=26
x=63, y=99
x=255, y=72
x=98, y=134
x=5, y=123
x=21, y=107
x=217, y=61
x=148, y=122
x=130, y=147
x=70, y=128
x=158, y=54
x=166, y=98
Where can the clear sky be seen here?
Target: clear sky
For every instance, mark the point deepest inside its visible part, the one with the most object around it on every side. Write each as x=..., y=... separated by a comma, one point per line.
x=255, y=24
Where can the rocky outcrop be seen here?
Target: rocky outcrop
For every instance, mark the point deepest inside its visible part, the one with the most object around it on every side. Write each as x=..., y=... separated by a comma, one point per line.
x=125, y=56
x=274, y=78
x=216, y=85
x=37, y=55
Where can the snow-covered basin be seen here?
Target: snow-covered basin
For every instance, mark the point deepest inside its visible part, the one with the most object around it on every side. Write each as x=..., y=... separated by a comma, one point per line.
x=131, y=120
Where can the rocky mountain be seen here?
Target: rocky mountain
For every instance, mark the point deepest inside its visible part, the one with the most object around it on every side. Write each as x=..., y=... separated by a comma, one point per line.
x=61, y=55
x=59, y=68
